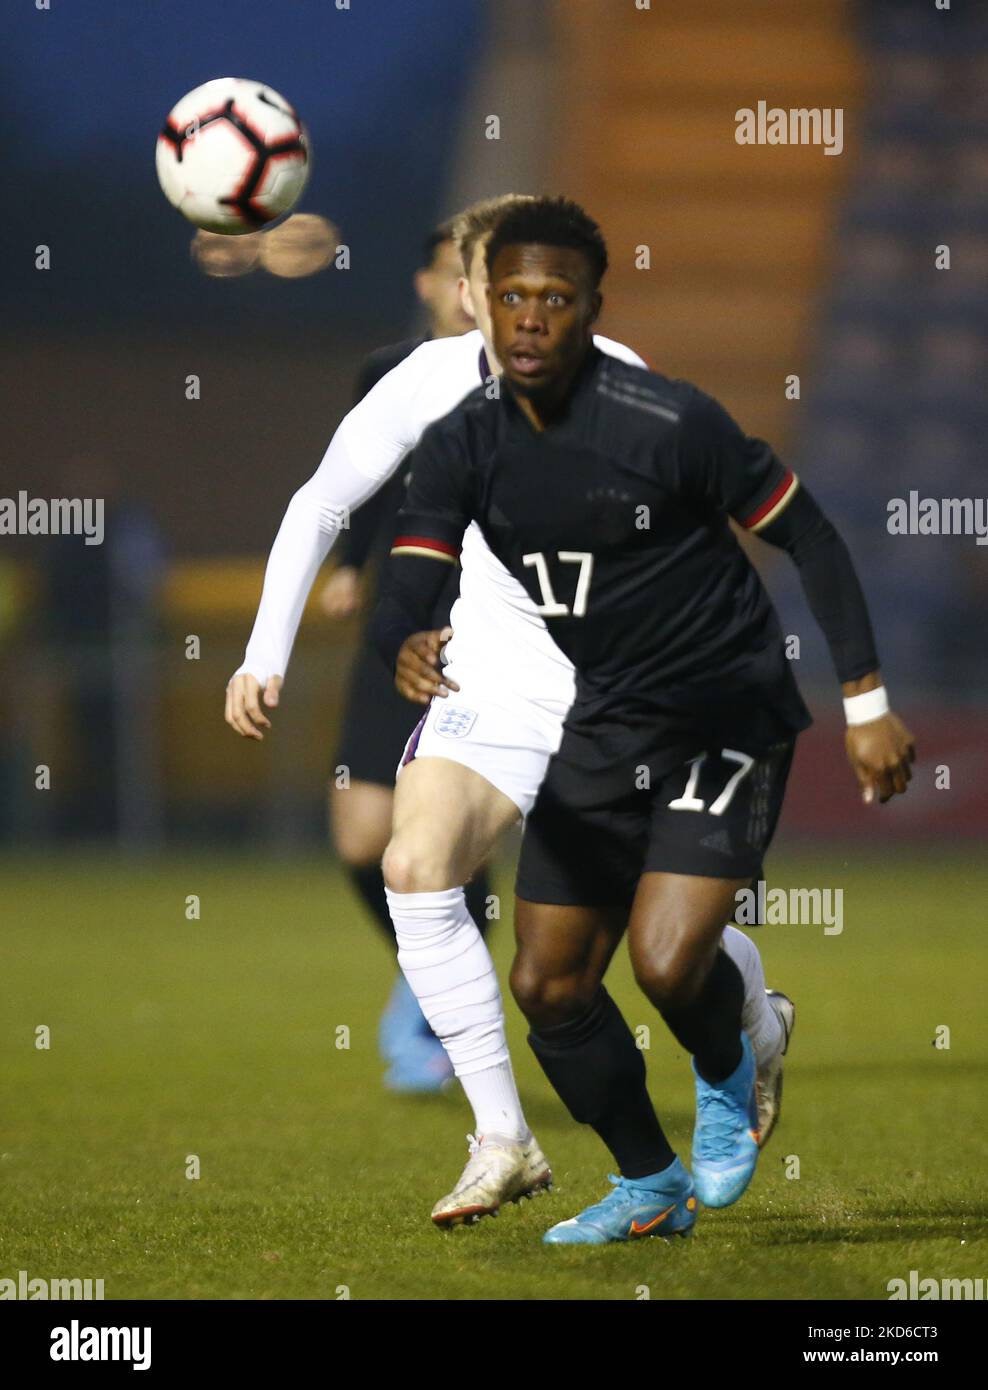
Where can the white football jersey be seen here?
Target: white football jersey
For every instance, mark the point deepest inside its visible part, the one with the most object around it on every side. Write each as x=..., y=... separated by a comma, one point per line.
x=493, y=608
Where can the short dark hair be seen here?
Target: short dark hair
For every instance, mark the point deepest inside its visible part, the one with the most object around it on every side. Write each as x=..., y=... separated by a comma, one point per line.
x=551, y=222
x=436, y=238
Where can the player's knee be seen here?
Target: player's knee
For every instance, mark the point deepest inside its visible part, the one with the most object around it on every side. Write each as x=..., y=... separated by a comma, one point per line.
x=545, y=999
x=399, y=869
x=669, y=978
x=410, y=869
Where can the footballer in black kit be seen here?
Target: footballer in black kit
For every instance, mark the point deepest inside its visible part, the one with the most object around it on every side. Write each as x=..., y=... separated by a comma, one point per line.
x=615, y=519
x=609, y=492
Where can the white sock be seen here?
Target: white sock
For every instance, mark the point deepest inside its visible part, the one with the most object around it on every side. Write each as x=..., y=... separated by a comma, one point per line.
x=451, y=974
x=758, y=1019
x=493, y=1097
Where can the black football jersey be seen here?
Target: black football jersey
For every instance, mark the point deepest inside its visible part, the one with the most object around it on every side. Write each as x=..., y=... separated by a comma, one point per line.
x=615, y=519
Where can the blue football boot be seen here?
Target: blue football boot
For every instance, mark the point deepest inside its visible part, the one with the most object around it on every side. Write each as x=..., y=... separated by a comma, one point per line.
x=725, y=1137
x=663, y=1204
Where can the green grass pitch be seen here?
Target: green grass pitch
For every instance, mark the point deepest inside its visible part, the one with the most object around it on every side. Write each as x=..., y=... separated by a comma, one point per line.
x=218, y=1038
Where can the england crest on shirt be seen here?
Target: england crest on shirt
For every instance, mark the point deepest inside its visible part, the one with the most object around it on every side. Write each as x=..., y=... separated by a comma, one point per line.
x=455, y=721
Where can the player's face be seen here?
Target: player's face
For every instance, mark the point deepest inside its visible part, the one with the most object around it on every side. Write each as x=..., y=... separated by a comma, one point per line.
x=438, y=287
x=543, y=305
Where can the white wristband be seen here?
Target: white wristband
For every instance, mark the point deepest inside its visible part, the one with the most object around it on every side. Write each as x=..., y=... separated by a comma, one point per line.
x=862, y=709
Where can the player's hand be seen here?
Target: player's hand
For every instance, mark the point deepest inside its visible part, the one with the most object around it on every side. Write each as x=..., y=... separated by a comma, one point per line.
x=417, y=671
x=340, y=596
x=881, y=753
x=243, y=704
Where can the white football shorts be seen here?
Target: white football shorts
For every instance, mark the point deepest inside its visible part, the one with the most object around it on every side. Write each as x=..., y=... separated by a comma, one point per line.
x=507, y=739
x=516, y=686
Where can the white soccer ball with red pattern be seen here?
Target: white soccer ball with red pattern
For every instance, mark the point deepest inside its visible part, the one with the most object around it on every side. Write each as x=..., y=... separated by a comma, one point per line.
x=232, y=156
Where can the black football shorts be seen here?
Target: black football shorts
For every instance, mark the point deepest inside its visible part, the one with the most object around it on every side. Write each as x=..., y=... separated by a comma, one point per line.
x=713, y=816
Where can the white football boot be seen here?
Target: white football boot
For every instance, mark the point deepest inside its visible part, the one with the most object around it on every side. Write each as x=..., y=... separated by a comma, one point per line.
x=768, y=1078
x=498, y=1170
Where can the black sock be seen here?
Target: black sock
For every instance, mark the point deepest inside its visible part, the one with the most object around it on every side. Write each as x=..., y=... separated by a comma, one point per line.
x=599, y=1074
x=368, y=880
x=369, y=883
x=710, y=1027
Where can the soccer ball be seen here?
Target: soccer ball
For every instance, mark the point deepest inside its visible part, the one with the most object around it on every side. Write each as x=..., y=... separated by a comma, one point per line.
x=232, y=156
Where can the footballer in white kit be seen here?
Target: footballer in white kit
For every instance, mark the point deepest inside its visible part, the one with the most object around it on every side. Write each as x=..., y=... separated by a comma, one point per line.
x=503, y=723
